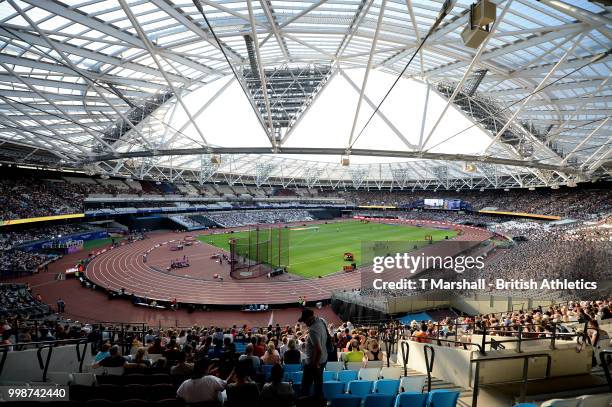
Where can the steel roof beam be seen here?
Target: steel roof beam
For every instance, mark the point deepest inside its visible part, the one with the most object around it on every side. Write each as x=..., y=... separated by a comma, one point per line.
x=336, y=151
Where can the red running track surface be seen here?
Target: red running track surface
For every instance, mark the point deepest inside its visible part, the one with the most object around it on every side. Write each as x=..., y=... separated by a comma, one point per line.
x=123, y=267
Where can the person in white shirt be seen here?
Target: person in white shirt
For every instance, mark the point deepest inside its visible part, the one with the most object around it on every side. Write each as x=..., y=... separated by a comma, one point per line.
x=283, y=347
x=202, y=387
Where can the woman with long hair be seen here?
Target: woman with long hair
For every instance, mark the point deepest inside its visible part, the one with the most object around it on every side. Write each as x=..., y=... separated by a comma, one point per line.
x=271, y=356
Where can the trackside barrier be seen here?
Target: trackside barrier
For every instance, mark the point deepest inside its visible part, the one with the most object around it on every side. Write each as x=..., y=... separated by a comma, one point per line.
x=525, y=377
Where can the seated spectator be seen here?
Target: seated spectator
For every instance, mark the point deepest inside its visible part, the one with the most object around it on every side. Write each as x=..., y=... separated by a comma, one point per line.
x=189, y=355
x=421, y=334
x=45, y=335
x=354, y=354
x=283, y=348
x=156, y=348
x=6, y=339
x=103, y=353
x=149, y=337
x=271, y=357
x=292, y=355
x=277, y=393
x=161, y=366
x=374, y=353
x=202, y=387
x=113, y=360
x=259, y=348
x=182, y=368
x=248, y=354
x=217, y=351
x=138, y=361
x=243, y=392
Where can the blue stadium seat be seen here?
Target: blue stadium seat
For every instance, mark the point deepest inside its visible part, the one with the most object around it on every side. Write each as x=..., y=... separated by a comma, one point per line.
x=346, y=400
x=267, y=371
x=292, y=368
x=411, y=399
x=297, y=387
x=443, y=398
x=332, y=388
x=387, y=386
x=334, y=366
x=525, y=405
x=294, y=377
x=360, y=387
x=378, y=400
x=346, y=376
x=329, y=375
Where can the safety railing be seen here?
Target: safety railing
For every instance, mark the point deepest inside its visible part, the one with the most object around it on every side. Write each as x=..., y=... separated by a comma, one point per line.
x=604, y=356
x=517, y=335
x=3, y=359
x=430, y=357
x=49, y=346
x=525, y=374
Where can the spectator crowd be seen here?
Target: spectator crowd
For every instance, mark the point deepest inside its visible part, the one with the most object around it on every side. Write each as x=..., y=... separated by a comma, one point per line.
x=16, y=299
x=238, y=218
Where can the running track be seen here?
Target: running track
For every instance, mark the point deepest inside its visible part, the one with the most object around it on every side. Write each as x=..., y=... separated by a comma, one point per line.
x=123, y=267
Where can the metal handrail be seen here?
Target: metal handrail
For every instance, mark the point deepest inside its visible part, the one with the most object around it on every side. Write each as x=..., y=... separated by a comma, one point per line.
x=429, y=363
x=81, y=355
x=44, y=366
x=39, y=344
x=440, y=341
x=405, y=356
x=525, y=379
x=3, y=360
x=604, y=364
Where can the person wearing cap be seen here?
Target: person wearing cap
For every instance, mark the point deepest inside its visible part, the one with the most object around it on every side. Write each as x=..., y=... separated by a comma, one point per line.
x=316, y=353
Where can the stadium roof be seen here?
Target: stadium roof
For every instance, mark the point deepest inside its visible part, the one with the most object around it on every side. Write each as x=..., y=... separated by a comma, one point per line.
x=143, y=89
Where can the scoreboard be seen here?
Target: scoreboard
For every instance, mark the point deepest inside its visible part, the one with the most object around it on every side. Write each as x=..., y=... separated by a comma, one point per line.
x=448, y=204
x=434, y=203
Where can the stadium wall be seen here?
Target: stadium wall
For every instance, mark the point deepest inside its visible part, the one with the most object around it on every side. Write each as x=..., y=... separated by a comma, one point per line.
x=453, y=364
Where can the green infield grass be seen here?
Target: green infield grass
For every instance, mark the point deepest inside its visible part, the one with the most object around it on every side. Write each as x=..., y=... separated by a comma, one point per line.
x=318, y=250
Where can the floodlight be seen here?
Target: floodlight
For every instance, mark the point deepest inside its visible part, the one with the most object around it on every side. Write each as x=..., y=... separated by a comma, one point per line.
x=482, y=13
